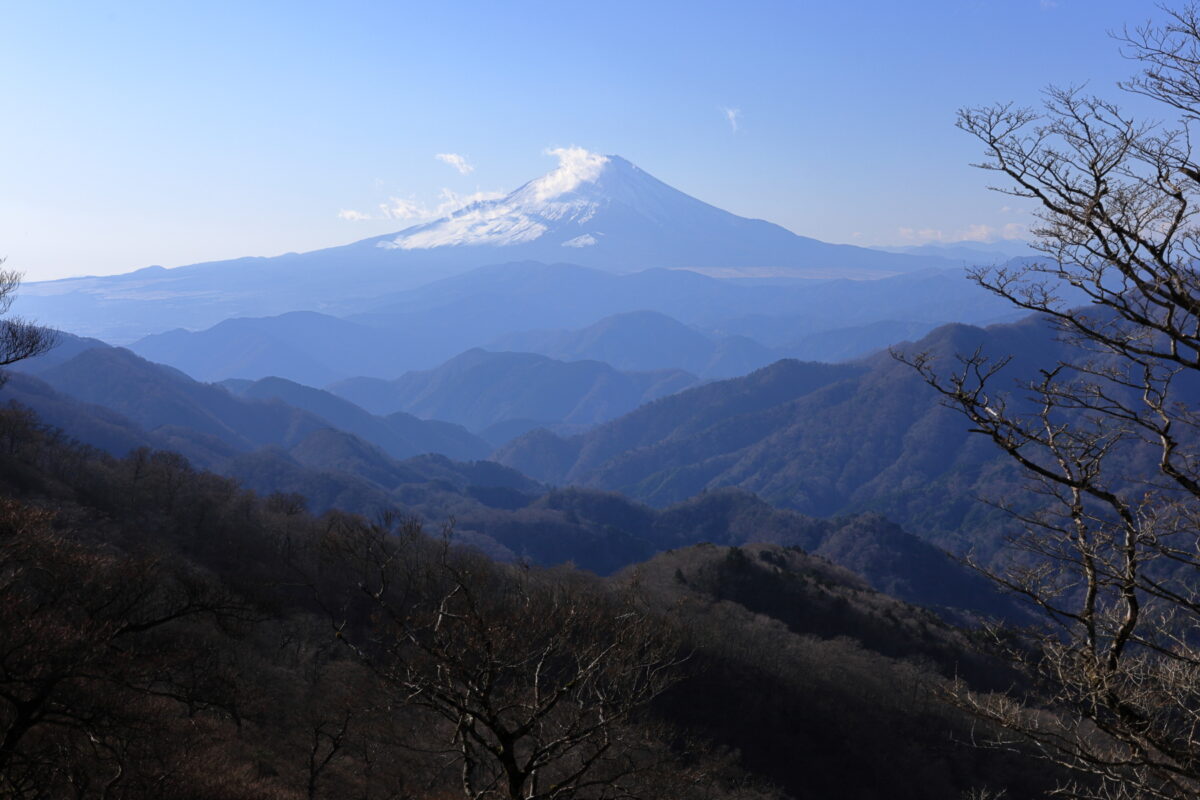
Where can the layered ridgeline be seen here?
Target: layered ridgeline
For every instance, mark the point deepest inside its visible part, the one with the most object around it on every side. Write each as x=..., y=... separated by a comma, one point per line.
x=278, y=437
x=714, y=328
x=208, y=421
x=596, y=211
x=167, y=666
x=822, y=439
x=646, y=340
x=502, y=395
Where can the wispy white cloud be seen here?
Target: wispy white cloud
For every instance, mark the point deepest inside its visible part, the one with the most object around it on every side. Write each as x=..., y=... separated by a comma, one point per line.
x=516, y=217
x=575, y=166
x=1049, y=4
x=400, y=208
x=460, y=163
x=411, y=210
x=733, y=117
x=972, y=233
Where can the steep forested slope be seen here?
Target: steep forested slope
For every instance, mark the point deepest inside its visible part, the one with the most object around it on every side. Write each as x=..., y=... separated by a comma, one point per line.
x=159, y=397
x=511, y=516
x=399, y=434
x=820, y=439
x=174, y=617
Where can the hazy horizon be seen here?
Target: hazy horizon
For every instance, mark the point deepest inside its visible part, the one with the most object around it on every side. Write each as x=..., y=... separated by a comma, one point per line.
x=147, y=135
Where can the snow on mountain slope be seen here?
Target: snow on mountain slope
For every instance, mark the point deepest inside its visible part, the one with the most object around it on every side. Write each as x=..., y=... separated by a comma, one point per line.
x=602, y=211
x=592, y=201
x=567, y=195
x=596, y=211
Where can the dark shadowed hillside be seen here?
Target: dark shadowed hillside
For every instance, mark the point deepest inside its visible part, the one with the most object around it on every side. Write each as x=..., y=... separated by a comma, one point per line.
x=399, y=434
x=510, y=516
x=620, y=532
x=154, y=396
x=170, y=665
x=789, y=620
x=157, y=397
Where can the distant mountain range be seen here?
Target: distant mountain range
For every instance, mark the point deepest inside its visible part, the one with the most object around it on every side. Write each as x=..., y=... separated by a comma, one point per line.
x=609, y=214
x=273, y=436
x=969, y=253
x=568, y=331
x=302, y=346
x=596, y=211
x=501, y=395
x=845, y=344
x=645, y=340
x=821, y=439
x=571, y=312
x=162, y=400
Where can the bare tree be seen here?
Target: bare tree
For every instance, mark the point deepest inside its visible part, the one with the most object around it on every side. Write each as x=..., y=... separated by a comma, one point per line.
x=529, y=678
x=1110, y=434
x=19, y=338
x=93, y=668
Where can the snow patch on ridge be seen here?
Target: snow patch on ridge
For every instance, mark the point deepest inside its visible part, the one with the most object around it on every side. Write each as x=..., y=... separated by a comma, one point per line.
x=521, y=216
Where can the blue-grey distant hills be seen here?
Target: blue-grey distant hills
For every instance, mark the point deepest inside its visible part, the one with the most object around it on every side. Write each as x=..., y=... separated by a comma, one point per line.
x=302, y=346
x=823, y=439
x=275, y=437
x=564, y=311
x=969, y=253
x=213, y=419
x=645, y=340
x=600, y=212
x=502, y=395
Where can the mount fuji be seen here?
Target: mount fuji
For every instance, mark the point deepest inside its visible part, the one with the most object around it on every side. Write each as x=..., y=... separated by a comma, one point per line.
x=595, y=211
x=605, y=212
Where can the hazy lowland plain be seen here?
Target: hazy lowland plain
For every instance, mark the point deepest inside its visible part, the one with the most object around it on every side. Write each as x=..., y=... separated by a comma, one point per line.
x=592, y=490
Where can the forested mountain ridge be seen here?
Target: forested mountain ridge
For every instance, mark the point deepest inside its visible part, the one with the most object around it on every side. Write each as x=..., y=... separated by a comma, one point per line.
x=234, y=631
x=821, y=439
x=504, y=513
x=399, y=434
x=817, y=438
x=155, y=396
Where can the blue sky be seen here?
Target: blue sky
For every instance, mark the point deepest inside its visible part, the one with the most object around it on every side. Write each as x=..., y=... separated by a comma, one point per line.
x=140, y=133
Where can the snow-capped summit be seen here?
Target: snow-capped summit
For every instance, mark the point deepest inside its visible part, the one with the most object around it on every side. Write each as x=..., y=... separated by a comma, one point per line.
x=591, y=211
x=561, y=205
x=603, y=211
